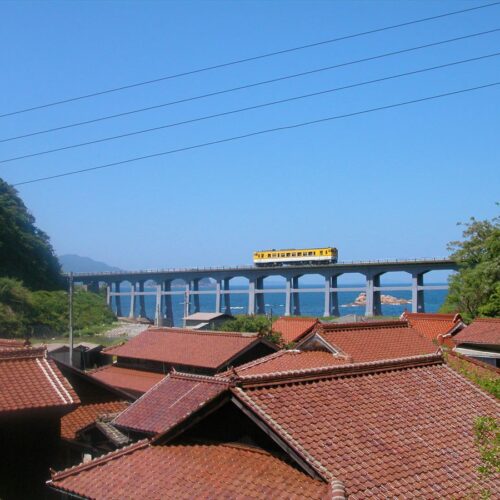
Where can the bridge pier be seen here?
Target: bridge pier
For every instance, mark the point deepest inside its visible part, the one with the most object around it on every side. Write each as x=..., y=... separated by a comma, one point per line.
x=251, y=296
x=331, y=297
x=417, y=294
x=158, y=307
x=295, y=296
x=227, y=296
x=195, y=304
x=373, y=303
x=167, y=299
x=118, y=300
x=131, y=313
x=260, y=299
x=218, y=296
x=142, y=300
x=108, y=295
x=288, y=296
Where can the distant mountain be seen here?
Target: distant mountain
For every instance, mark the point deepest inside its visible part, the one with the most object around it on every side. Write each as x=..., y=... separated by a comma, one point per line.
x=77, y=264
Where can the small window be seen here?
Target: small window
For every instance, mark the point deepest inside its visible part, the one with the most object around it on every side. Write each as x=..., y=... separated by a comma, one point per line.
x=282, y=255
x=268, y=255
x=288, y=254
x=299, y=254
x=294, y=254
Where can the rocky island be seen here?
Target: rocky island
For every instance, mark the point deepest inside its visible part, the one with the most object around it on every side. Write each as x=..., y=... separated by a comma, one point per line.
x=384, y=299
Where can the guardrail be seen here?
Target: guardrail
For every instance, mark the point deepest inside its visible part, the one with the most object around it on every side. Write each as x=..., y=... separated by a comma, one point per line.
x=252, y=267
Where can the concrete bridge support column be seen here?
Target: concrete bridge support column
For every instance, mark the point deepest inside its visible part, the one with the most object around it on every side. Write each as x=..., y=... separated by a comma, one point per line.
x=334, y=301
x=261, y=306
x=288, y=296
x=373, y=304
x=218, y=295
x=186, y=310
x=251, y=296
x=108, y=294
x=142, y=301
x=168, y=309
x=118, y=300
x=195, y=287
x=158, y=307
x=417, y=296
x=331, y=298
x=227, y=297
x=131, y=313
x=295, y=297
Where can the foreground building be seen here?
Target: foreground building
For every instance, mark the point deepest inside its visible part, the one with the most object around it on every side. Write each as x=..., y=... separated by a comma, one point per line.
x=480, y=340
x=440, y=328
x=34, y=397
x=395, y=428
x=144, y=360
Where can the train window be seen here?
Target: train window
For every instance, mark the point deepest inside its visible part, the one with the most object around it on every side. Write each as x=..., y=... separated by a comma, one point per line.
x=282, y=255
x=299, y=254
x=288, y=254
x=294, y=254
x=321, y=252
x=268, y=255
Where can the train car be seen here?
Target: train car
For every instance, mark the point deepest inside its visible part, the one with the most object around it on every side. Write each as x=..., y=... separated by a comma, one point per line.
x=297, y=256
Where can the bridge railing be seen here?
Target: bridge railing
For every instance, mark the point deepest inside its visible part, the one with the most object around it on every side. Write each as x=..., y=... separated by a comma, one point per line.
x=250, y=266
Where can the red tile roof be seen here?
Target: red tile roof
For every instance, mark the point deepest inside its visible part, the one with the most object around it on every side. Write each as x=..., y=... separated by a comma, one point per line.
x=285, y=361
x=185, y=347
x=434, y=326
x=85, y=415
x=28, y=381
x=292, y=329
x=480, y=331
x=135, y=382
x=188, y=472
x=374, y=341
x=172, y=400
x=7, y=344
x=392, y=429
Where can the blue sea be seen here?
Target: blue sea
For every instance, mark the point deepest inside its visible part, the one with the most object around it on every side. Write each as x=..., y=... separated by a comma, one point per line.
x=311, y=303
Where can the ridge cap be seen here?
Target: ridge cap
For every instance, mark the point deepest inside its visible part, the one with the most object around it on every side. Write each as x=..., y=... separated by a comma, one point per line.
x=336, y=371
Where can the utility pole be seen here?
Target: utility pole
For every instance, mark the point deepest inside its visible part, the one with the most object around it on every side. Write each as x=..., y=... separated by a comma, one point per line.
x=70, y=319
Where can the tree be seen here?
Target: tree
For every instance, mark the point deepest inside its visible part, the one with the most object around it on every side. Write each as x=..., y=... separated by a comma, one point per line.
x=475, y=289
x=25, y=250
x=260, y=324
x=16, y=308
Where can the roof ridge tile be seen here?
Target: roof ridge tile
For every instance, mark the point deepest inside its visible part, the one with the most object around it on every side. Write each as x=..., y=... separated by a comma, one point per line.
x=334, y=371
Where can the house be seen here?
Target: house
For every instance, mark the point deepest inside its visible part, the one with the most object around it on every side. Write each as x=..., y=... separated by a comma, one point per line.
x=439, y=328
x=293, y=329
x=34, y=397
x=98, y=401
x=161, y=349
x=395, y=428
x=480, y=340
x=206, y=321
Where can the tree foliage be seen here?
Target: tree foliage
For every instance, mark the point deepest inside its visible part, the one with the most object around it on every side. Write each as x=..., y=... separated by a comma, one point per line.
x=46, y=313
x=25, y=251
x=259, y=324
x=475, y=289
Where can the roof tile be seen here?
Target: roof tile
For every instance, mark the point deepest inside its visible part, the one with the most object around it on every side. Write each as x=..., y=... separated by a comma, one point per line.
x=136, y=382
x=169, y=402
x=293, y=328
x=186, y=472
x=480, y=331
x=185, y=347
x=393, y=432
x=29, y=381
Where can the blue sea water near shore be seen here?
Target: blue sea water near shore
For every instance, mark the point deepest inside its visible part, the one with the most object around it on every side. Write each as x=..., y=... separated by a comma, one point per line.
x=311, y=303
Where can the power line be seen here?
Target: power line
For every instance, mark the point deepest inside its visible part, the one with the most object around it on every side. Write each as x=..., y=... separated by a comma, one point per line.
x=251, y=85
x=260, y=132
x=249, y=108
x=254, y=58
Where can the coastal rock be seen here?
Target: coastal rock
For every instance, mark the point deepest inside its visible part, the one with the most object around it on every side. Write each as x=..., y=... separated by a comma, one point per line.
x=384, y=299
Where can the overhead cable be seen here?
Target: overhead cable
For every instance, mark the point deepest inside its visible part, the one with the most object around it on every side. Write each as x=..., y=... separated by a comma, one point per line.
x=249, y=108
x=253, y=58
x=250, y=85
x=257, y=133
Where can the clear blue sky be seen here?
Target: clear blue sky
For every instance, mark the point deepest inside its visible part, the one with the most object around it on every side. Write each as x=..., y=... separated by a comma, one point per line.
x=389, y=184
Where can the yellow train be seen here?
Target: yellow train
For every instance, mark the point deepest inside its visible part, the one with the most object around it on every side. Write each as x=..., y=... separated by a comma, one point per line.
x=326, y=255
